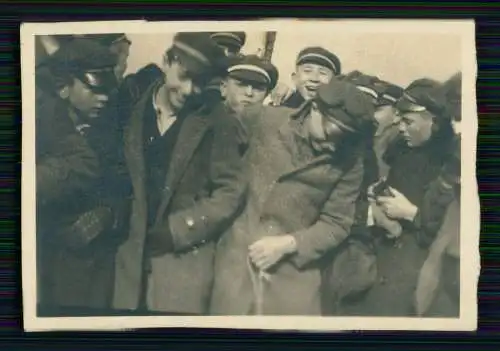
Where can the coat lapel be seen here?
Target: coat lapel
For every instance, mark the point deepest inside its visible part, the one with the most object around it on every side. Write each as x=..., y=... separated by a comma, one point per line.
x=134, y=144
x=191, y=133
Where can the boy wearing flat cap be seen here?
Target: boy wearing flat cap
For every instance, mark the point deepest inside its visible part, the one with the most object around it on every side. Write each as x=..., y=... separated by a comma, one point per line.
x=119, y=44
x=80, y=190
x=305, y=170
x=231, y=43
x=184, y=188
x=314, y=66
x=438, y=288
x=248, y=81
x=415, y=161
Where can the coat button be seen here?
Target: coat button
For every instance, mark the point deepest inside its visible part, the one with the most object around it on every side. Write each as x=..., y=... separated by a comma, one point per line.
x=190, y=222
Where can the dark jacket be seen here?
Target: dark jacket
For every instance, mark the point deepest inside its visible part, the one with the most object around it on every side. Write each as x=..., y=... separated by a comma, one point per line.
x=294, y=101
x=200, y=196
x=80, y=204
x=412, y=170
x=290, y=191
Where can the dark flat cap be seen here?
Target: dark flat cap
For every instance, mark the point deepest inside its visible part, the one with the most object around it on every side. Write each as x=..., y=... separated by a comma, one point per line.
x=198, y=52
x=107, y=39
x=230, y=39
x=320, y=56
x=368, y=84
x=252, y=68
x=88, y=61
x=390, y=94
x=453, y=90
x=346, y=106
x=424, y=95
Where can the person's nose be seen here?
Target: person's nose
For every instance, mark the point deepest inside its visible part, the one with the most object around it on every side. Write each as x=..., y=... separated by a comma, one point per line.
x=249, y=91
x=102, y=98
x=401, y=126
x=314, y=77
x=187, y=87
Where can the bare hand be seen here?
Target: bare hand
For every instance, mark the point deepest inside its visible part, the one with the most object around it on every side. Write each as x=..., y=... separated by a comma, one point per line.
x=269, y=250
x=397, y=206
x=280, y=94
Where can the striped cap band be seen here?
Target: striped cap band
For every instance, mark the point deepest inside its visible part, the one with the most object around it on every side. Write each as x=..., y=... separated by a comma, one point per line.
x=225, y=35
x=416, y=107
x=323, y=57
x=251, y=68
x=388, y=97
x=192, y=52
x=367, y=90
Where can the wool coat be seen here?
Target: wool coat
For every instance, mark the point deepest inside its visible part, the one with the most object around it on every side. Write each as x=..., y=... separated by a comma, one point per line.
x=200, y=197
x=77, y=174
x=291, y=191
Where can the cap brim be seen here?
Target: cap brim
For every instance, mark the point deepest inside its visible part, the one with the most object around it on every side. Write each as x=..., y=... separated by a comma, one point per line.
x=405, y=105
x=192, y=65
x=317, y=61
x=249, y=76
x=103, y=81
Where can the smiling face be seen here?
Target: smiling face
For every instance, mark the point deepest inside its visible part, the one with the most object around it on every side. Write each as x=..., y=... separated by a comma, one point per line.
x=309, y=77
x=324, y=135
x=239, y=94
x=180, y=84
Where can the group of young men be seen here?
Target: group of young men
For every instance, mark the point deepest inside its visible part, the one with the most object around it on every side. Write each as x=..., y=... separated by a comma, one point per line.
x=180, y=189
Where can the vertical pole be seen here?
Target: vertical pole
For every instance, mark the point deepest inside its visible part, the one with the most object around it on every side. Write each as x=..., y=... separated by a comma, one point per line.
x=270, y=39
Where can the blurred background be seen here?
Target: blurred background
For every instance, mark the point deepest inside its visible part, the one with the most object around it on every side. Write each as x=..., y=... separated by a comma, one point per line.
x=395, y=57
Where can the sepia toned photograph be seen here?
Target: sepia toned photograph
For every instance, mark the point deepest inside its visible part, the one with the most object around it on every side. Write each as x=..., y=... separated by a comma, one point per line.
x=308, y=175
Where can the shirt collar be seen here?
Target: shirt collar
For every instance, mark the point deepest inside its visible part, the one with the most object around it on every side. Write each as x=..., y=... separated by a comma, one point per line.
x=158, y=104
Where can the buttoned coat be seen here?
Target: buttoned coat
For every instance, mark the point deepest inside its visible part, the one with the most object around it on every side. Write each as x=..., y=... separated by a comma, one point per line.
x=200, y=196
x=291, y=191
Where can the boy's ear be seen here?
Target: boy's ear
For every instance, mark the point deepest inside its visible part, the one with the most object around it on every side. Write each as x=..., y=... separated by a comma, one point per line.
x=64, y=92
x=223, y=87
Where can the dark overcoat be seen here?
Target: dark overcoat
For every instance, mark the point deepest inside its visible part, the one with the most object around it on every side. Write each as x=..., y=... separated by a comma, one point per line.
x=200, y=186
x=412, y=170
x=291, y=191
x=75, y=176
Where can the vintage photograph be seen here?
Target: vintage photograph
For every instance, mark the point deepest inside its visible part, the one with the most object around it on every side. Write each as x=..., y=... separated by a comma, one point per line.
x=178, y=175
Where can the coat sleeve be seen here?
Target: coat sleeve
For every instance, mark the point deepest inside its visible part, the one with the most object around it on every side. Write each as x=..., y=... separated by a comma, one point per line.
x=432, y=211
x=213, y=214
x=73, y=168
x=335, y=220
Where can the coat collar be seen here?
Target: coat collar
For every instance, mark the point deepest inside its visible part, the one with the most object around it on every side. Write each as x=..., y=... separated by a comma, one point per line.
x=293, y=136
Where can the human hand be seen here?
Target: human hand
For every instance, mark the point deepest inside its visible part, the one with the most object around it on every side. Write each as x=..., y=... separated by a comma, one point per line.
x=266, y=252
x=89, y=226
x=397, y=206
x=280, y=94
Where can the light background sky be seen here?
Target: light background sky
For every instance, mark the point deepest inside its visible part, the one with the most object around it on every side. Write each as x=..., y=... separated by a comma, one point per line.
x=396, y=57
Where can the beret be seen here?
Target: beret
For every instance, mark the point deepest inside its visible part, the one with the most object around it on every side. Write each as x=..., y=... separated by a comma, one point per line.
x=234, y=39
x=320, y=56
x=254, y=69
x=424, y=94
x=346, y=106
x=198, y=52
